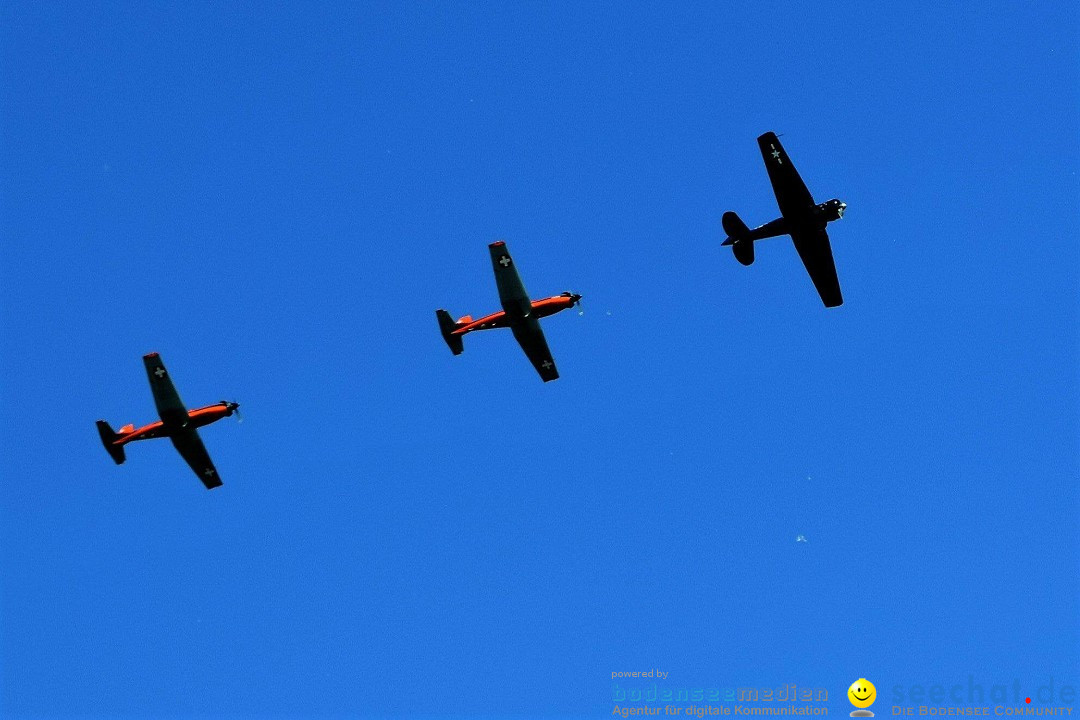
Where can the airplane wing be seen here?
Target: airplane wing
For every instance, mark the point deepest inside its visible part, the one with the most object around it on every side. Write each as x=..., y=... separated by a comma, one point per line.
x=816, y=254
x=791, y=193
x=531, y=339
x=515, y=301
x=169, y=405
x=191, y=448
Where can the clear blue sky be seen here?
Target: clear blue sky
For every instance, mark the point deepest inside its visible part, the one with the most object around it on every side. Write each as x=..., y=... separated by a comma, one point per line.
x=276, y=197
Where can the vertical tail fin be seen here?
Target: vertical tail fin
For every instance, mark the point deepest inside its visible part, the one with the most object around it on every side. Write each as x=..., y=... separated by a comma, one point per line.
x=447, y=326
x=108, y=438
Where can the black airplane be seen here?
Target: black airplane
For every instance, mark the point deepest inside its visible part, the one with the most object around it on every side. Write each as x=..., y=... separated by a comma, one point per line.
x=802, y=219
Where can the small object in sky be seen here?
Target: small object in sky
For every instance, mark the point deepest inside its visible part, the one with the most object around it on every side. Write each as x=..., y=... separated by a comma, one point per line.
x=801, y=218
x=177, y=423
x=800, y=538
x=519, y=313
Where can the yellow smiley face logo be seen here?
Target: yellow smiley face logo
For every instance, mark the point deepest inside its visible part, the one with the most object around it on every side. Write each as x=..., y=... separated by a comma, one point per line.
x=862, y=693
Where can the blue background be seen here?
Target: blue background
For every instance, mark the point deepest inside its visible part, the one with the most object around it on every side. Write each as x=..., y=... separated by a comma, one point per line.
x=277, y=196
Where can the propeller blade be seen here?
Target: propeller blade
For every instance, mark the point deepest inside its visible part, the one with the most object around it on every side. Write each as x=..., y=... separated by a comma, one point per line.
x=235, y=407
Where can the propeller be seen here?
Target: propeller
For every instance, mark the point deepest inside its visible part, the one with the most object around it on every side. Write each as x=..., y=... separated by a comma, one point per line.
x=233, y=408
x=575, y=299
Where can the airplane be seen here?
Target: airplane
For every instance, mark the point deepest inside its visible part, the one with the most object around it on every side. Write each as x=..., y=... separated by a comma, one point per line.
x=519, y=313
x=802, y=219
x=177, y=423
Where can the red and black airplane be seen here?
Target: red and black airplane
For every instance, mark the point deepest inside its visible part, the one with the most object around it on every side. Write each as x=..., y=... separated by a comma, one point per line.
x=177, y=423
x=519, y=314
x=801, y=218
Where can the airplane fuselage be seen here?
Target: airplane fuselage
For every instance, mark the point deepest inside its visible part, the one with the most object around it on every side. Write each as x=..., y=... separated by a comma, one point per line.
x=814, y=218
x=540, y=309
x=196, y=419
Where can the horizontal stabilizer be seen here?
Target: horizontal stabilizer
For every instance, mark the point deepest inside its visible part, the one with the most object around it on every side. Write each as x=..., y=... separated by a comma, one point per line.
x=734, y=227
x=108, y=439
x=447, y=326
x=738, y=239
x=744, y=251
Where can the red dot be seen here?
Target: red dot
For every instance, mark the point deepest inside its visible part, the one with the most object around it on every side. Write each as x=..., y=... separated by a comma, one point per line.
x=1028, y=700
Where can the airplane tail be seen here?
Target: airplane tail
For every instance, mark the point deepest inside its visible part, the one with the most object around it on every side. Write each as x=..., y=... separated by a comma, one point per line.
x=737, y=232
x=448, y=326
x=108, y=438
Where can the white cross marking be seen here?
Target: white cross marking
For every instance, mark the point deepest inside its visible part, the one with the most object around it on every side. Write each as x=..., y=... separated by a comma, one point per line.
x=505, y=260
x=208, y=472
x=546, y=365
x=160, y=372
